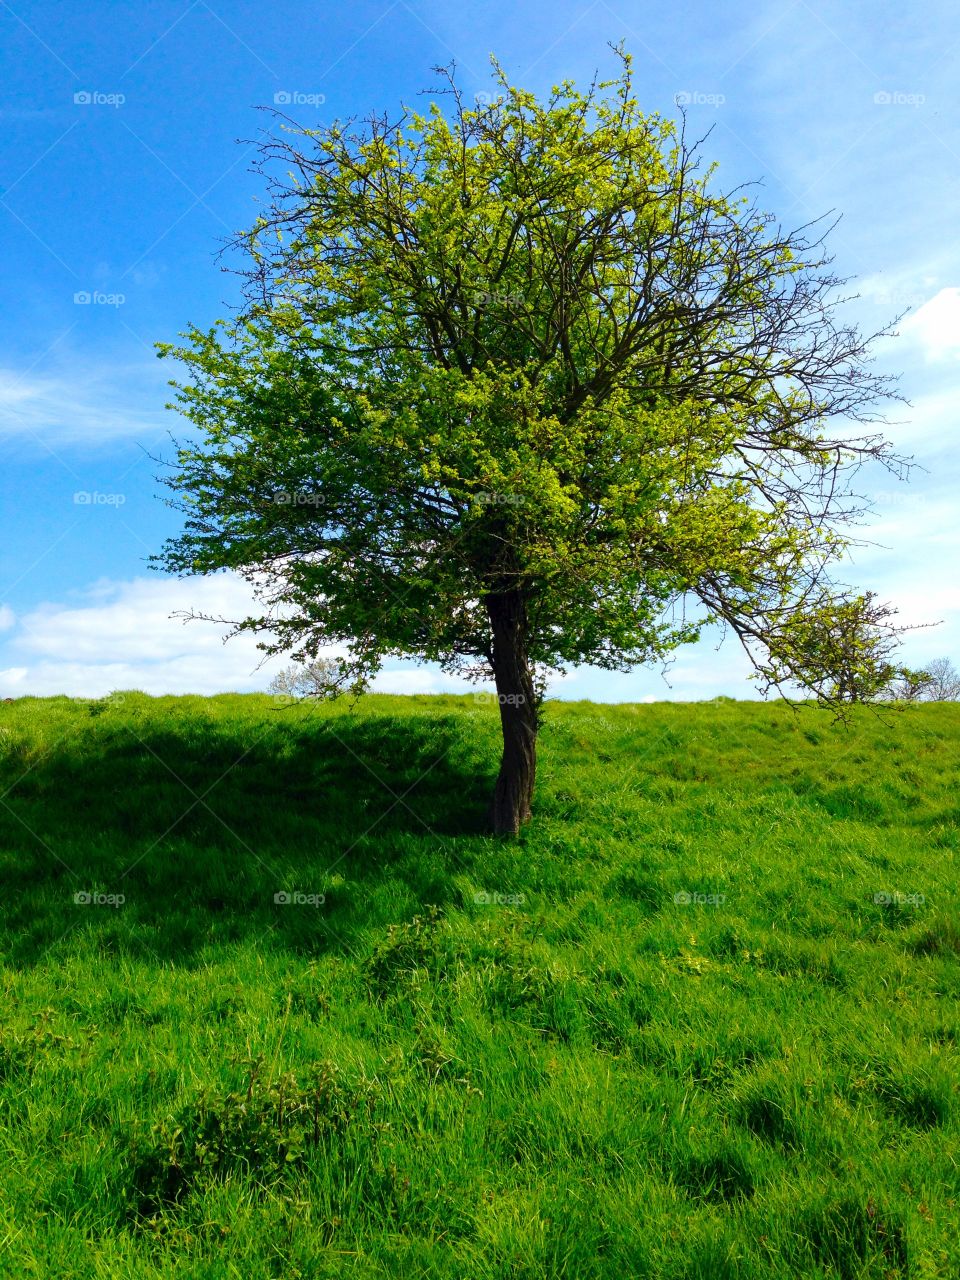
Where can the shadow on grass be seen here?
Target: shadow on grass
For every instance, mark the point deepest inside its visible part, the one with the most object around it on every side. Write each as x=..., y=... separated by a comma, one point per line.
x=199, y=828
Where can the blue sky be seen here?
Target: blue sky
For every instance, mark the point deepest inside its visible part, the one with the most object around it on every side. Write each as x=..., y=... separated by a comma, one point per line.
x=121, y=173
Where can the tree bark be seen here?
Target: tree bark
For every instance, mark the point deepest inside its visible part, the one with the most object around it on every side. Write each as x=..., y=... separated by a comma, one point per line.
x=519, y=719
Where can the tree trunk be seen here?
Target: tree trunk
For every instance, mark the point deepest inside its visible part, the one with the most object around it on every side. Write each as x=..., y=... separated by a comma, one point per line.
x=513, y=793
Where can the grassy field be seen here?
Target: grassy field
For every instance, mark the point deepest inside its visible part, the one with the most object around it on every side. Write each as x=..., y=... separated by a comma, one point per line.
x=700, y=1021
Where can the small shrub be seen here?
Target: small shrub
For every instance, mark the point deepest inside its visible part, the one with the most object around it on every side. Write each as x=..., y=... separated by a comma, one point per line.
x=418, y=944
x=263, y=1132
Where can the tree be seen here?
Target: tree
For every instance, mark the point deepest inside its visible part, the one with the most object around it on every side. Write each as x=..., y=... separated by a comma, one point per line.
x=515, y=386
x=908, y=685
x=938, y=682
x=943, y=681
x=319, y=678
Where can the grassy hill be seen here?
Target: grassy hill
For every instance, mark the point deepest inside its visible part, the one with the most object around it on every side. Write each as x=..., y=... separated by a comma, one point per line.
x=274, y=1007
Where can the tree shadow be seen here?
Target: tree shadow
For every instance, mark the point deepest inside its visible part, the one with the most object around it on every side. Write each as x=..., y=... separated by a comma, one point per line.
x=165, y=839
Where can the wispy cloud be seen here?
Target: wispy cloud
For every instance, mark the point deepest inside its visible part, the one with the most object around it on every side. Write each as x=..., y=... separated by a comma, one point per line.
x=123, y=635
x=83, y=406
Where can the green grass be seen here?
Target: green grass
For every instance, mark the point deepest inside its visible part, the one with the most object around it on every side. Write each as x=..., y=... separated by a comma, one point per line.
x=700, y=1021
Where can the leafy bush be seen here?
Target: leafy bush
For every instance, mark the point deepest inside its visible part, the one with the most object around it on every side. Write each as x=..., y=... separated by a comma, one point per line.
x=264, y=1131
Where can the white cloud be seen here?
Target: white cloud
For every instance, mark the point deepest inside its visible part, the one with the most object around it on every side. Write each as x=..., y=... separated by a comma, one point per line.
x=84, y=405
x=121, y=635
x=926, y=430
x=911, y=521
x=936, y=326
x=130, y=622
x=408, y=679
x=697, y=672
x=7, y=617
x=897, y=290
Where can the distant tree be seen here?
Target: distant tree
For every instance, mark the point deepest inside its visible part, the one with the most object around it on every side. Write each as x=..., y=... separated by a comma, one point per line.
x=937, y=682
x=906, y=686
x=319, y=678
x=943, y=683
x=515, y=387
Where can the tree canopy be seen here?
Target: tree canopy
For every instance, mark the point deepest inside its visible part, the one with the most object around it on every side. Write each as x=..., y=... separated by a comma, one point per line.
x=516, y=385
